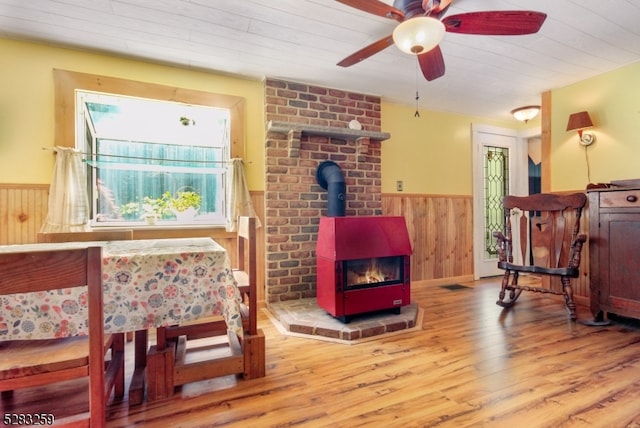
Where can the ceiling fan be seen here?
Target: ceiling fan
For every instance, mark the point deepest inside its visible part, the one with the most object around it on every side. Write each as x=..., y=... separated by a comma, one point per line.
x=422, y=20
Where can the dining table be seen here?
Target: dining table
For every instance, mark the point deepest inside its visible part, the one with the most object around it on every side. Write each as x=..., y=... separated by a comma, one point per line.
x=147, y=284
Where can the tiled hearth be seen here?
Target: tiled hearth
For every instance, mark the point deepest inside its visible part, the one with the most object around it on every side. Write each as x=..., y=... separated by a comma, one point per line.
x=304, y=316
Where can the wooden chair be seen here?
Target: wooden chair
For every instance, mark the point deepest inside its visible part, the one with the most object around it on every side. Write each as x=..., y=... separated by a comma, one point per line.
x=29, y=363
x=246, y=272
x=542, y=238
x=170, y=361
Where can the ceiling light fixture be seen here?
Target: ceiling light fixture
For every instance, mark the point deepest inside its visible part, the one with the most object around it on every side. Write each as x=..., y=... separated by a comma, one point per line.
x=526, y=113
x=418, y=35
x=579, y=122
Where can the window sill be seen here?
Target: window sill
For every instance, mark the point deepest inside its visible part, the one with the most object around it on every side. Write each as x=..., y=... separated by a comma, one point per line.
x=170, y=231
x=159, y=225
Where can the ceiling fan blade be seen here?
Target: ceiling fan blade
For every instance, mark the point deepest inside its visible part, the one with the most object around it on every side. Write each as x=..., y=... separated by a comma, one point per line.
x=375, y=7
x=367, y=51
x=436, y=8
x=432, y=64
x=495, y=23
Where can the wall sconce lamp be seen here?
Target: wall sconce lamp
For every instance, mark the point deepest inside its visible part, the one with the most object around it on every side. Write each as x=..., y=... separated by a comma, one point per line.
x=526, y=113
x=579, y=122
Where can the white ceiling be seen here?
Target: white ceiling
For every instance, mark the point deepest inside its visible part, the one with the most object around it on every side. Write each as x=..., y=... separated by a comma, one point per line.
x=302, y=40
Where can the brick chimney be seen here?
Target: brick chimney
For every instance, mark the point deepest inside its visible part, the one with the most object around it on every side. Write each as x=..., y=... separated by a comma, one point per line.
x=307, y=125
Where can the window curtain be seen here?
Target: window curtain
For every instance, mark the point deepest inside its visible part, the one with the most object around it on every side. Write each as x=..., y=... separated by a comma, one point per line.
x=68, y=209
x=238, y=197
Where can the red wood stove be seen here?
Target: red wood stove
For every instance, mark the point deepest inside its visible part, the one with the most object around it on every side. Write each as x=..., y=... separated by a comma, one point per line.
x=363, y=265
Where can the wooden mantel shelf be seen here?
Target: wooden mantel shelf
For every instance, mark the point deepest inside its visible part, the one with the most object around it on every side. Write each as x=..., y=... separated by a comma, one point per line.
x=328, y=131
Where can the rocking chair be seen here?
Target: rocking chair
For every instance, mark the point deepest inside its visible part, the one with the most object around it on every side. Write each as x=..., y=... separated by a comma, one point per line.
x=543, y=239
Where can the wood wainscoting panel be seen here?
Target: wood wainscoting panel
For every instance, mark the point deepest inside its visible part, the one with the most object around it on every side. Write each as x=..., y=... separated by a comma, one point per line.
x=441, y=233
x=23, y=208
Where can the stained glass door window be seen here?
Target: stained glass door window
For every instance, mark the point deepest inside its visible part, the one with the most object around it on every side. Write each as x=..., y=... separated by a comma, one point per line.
x=496, y=186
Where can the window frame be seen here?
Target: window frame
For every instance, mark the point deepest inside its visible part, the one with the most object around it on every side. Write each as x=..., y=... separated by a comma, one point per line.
x=67, y=82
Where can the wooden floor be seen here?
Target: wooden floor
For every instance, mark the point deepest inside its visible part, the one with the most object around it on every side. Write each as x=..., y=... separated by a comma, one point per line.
x=472, y=365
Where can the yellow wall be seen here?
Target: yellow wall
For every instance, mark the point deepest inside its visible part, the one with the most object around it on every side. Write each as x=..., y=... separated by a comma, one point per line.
x=430, y=154
x=613, y=101
x=26, y=104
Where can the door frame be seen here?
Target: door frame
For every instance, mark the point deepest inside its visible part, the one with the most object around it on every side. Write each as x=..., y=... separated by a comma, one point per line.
x=518, y=168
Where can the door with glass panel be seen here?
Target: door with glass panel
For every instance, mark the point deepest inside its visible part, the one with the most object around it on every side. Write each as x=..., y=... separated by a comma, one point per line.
x=499, y=168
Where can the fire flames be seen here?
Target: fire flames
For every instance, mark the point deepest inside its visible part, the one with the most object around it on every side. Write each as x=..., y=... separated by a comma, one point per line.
x=372, y=271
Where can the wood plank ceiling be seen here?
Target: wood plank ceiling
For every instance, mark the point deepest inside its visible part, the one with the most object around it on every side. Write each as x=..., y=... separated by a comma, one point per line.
x=302, y=40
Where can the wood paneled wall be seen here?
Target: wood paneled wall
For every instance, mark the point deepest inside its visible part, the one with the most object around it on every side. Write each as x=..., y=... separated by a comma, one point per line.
x=441, y=233
x=440, y=228
x=23, y=208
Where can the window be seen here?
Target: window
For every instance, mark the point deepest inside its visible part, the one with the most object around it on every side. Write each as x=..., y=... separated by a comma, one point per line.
x=179, y=157
x=153, y=161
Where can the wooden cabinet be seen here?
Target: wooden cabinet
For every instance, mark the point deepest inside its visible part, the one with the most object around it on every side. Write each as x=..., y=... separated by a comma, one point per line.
x=614, y=249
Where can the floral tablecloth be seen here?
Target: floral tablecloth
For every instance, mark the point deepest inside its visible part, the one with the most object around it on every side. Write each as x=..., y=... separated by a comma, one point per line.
x=147, y=283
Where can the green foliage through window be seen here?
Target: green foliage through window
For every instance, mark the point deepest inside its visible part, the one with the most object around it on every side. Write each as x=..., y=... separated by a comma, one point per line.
x=148, y=161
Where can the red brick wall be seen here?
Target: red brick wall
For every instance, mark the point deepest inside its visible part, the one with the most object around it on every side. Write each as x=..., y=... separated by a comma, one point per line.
x=294, y=201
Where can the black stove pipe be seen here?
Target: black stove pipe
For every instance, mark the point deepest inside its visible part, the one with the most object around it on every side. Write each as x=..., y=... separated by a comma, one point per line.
x=329, y=176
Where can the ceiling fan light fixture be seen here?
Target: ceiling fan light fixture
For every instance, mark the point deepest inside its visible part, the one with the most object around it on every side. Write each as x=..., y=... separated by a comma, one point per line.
x=418, y=35
x=526, y=113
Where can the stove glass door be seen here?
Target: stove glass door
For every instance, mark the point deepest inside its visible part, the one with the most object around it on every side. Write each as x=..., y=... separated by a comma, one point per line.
x=374, y=272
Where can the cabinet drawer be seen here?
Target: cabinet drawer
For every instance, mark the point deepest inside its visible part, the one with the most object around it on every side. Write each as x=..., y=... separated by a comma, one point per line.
x=622, y=199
